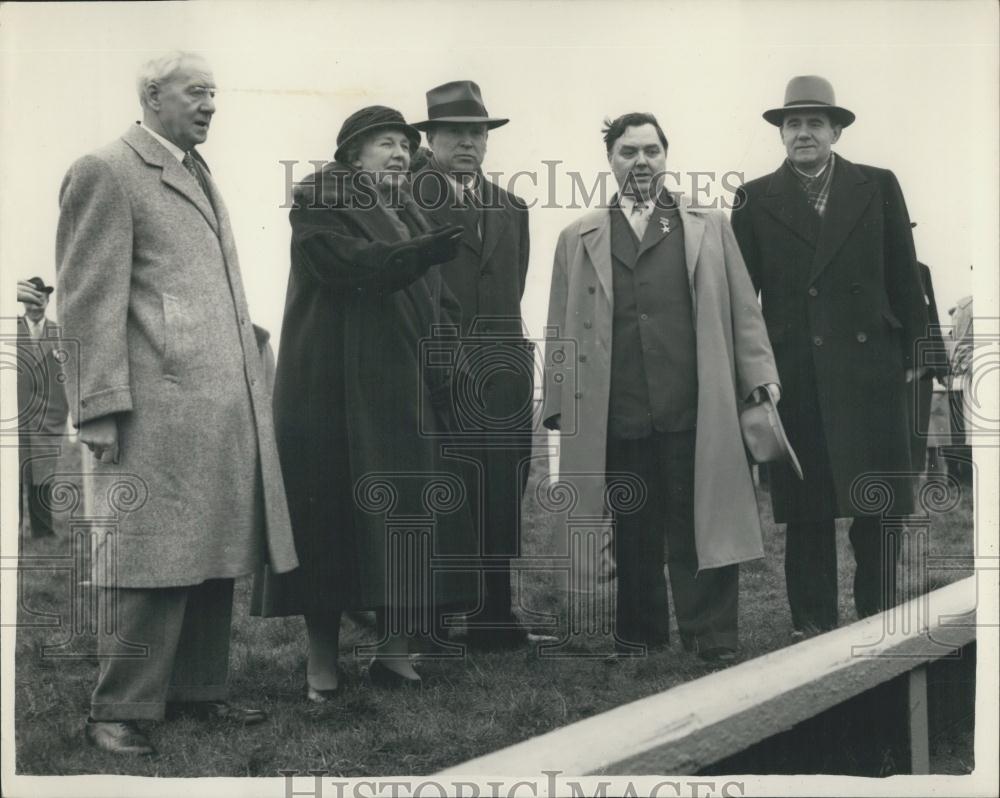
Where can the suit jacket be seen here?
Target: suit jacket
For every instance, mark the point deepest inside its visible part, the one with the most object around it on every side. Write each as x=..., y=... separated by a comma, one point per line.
x=42, y=408
x=149, y=284
x=844, y=309
x=733, y=358
x=494, y=395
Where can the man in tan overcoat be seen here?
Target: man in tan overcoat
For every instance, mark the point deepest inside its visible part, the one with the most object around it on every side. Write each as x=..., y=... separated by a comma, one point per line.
x=171, y=399
x=669, y=341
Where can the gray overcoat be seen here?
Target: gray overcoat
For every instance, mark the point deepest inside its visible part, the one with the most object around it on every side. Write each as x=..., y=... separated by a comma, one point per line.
x=149, y=284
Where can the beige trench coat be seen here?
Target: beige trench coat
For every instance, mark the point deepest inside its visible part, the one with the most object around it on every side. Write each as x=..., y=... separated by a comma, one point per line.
x=150, y=286
x=733, y=355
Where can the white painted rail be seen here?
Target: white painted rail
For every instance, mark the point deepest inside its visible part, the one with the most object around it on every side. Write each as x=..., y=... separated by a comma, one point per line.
x=688, y=727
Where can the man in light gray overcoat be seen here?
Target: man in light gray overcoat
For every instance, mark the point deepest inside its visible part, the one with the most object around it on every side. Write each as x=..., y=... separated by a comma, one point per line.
x=171, y=399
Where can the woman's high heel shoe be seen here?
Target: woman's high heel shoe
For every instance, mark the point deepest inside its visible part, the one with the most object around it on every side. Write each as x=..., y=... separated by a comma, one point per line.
x=317, y=696
x=381, y=676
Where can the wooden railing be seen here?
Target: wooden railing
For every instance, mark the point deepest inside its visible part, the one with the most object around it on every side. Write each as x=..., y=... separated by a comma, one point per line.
x=689, y=727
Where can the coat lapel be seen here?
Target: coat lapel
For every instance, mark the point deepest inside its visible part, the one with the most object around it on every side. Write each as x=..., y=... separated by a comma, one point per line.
x=694, y=231
x=787, y=202
x=850, y=195
x=172, y=173
x=495, y=218
x=596, y=235
x=624, y=245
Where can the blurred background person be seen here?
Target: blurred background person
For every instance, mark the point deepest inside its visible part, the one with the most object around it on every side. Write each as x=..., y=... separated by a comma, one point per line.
x=42, y=408
x=932, y=353
x=352, y=401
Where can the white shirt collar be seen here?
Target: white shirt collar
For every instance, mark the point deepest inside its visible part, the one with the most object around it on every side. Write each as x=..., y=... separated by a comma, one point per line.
x=627, y=203
x=35, y=328
x=172, y=148
x=826, y=166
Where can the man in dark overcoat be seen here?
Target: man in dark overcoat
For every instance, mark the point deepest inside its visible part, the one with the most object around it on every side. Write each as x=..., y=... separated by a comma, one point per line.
x=170, y=396
x=494, y=367
x=829, y=247
x=42, y=409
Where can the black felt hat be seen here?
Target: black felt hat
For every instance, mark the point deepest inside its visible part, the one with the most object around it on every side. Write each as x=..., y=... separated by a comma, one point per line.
x=374, y=117
x=39, y=283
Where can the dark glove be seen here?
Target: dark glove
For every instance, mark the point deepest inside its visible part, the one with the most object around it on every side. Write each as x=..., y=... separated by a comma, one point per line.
x=438, y=246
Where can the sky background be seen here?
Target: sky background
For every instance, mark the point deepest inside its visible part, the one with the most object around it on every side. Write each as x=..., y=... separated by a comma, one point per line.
x=921, y=77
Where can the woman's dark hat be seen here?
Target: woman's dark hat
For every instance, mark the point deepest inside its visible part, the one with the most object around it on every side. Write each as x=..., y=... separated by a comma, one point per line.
x=810, y=92
x=458, y=101
x=39, y=283
x=374, y=117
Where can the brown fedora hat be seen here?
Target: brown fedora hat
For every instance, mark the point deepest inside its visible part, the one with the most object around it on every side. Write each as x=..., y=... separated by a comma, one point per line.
x=458, y=101
x=810, y=92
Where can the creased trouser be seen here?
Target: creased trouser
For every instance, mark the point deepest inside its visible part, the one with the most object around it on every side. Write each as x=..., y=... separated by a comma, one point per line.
x=186, y=634
x=705, y=603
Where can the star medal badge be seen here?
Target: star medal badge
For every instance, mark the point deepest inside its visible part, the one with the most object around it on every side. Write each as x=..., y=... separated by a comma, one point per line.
x=664, y=224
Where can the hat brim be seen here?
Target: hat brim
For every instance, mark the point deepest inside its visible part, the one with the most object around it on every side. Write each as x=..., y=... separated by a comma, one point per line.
x=838, y=115
x=411, y=132
x=490, y=121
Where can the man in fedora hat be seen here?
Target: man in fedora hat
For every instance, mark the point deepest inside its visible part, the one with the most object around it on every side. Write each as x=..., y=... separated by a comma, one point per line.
x=170, y=396
x=829, y=248
x=493, y=406
x=670, y=343
x=42, y=408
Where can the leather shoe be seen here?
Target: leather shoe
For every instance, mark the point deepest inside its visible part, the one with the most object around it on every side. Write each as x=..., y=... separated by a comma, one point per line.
x=118, y=737
x=318, y=696
x=381, y=676
x=215, y=710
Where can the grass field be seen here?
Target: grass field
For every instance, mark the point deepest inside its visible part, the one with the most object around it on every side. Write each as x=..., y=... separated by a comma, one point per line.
x=467, y=708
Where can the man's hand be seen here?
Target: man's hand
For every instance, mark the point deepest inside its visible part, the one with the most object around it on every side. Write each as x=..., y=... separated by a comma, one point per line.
x=771, y=388
x=918, y=373
x=101, y=437
x=28, y=294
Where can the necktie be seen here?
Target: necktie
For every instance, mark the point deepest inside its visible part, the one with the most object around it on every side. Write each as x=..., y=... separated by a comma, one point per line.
x=192, y=167
x=638, y=219
x=474, y=208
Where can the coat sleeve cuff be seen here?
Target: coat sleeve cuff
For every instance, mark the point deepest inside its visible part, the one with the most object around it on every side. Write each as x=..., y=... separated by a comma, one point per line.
x=104, y=403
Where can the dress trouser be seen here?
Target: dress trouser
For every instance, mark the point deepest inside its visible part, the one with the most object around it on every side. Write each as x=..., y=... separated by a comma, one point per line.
x=185, y=632
x=705, y=603
x=39, y=504
x=811, y=570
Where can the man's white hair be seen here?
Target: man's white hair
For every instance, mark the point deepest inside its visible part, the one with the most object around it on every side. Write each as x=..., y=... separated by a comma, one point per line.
x=159, y=69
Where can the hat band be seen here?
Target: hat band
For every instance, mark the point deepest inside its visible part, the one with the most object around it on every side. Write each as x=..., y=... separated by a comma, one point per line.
x=807, y=102
x=457, y=108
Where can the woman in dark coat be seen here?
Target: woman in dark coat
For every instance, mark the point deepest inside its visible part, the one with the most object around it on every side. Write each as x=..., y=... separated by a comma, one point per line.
x=359, y=416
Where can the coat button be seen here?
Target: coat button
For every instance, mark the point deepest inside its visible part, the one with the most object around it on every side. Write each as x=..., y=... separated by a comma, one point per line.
x=591, y=289
x=818, y=341
x=583, y=358
x=862, y=337
x=587, y=325
x=855, y=288
x=813, y=292
x=578, y=395
x=644, y=317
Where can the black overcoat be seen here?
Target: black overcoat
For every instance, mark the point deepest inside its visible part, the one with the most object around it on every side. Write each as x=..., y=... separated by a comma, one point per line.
x=493, y=397
x=844, y=308
x=357, y=413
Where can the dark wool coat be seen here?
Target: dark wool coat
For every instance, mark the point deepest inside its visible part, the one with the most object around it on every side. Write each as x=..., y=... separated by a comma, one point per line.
x=844, y=307
x=356, y=413
x=42, y=409
x=150, y=287
x=494, y=393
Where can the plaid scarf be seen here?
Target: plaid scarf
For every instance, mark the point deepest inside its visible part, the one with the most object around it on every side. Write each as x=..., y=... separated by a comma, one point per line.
x=817, y=187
